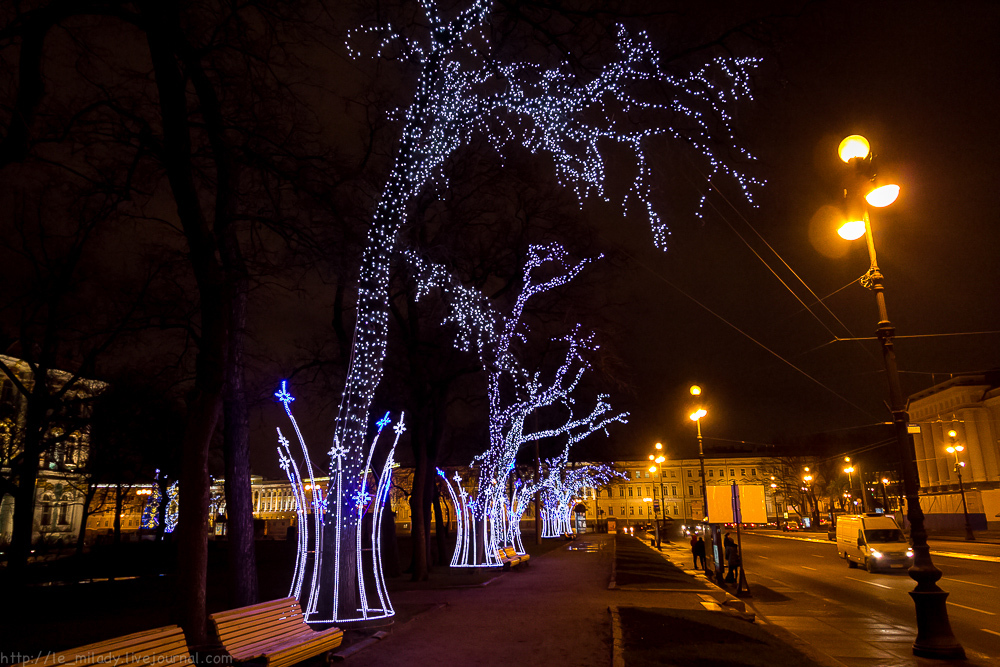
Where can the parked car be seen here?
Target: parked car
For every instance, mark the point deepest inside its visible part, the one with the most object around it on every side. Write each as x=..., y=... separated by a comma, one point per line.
x=790, y=526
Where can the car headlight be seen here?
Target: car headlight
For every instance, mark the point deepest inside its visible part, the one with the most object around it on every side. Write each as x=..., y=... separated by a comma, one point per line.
x=876, y=553
x=909, y=553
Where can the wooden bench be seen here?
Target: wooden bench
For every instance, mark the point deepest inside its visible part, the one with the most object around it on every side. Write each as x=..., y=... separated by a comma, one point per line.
x=274, y=631
x=161, y=646
x=511, y=558
x=522, y=558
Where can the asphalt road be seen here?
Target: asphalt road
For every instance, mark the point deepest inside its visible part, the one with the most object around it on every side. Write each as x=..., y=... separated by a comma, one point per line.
x=798, y=570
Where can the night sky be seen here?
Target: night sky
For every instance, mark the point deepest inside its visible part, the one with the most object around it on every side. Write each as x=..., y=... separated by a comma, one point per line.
x=920, y=81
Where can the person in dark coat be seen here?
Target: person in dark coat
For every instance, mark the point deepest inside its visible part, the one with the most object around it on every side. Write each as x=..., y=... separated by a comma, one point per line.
x=732, y=558
x=699, y=552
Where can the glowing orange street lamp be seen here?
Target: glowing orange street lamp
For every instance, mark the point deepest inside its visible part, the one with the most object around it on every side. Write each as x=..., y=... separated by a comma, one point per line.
x=955, y=449
x=935, y=638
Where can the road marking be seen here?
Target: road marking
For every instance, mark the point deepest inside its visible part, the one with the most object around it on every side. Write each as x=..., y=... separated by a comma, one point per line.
x=981, y=611
x=992, y=632
x=806, y=567
x=865, y=581
x=764, y=557
x=953, y=554
x=963, y=581
x=817, y=555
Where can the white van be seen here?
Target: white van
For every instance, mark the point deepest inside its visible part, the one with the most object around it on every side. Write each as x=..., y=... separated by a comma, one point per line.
x=873, y=540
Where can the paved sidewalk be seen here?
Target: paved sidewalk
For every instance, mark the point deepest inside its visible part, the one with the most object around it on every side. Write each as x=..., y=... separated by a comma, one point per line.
x=566, y=608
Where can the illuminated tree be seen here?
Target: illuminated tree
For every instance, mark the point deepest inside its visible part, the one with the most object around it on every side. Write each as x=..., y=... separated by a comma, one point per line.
x=463, y=89
x=515, y=394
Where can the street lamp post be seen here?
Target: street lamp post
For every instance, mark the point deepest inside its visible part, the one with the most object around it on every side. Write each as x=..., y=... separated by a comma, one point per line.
x=885, y=496
x=696, y=418
x=658, y=458
x=935, y=638
x=853, y=467
x=955, y=449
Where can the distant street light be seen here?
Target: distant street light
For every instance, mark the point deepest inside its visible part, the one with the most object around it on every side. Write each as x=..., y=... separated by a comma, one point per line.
x=955, y=449
x=935, y=638
x=658, y=458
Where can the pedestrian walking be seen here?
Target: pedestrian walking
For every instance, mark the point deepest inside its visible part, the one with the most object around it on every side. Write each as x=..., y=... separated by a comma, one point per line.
x=699, y=552
x=732, y=558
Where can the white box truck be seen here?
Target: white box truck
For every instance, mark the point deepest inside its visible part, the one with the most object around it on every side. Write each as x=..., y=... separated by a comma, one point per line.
x=874, y=541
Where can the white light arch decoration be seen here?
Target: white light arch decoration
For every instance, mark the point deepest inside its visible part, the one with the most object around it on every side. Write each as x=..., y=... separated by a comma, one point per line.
x=462, y=90
x=306, y=575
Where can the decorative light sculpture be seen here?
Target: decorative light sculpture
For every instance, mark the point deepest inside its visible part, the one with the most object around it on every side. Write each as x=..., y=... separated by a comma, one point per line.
x=361, y=502
x=462, y=90
x=151, y=510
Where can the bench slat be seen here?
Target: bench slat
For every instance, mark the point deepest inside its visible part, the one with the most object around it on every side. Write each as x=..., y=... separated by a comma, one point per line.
x=167, y=641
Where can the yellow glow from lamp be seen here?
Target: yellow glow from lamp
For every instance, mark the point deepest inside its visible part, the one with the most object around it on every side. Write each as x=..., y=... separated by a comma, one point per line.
x=854, y=146
x=660, y=459
x=849, y=470
x=652, y=468
x=696, y=415
x=952, y=434
x=882, y=196
x=659, y=445
x=852, y=230
x=695, y=390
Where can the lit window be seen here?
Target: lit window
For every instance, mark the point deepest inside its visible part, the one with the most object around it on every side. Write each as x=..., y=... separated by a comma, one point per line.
x=638, y=474
x=623, y=510
x=647, y=473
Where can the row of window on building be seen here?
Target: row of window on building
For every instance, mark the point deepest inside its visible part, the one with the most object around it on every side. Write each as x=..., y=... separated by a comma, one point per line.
x=639, y=474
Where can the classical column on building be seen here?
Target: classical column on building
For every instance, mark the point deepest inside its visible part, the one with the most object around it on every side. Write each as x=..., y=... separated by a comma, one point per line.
x=968, y=435
x=987, y=434
x=941, y=462
x=923, y=445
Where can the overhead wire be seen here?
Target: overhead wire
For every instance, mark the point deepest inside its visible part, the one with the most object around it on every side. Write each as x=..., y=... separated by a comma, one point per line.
x=722, y=319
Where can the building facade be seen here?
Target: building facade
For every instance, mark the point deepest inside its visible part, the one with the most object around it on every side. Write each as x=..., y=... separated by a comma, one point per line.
x=969, y=405
x=675, y=488
x=60, y=488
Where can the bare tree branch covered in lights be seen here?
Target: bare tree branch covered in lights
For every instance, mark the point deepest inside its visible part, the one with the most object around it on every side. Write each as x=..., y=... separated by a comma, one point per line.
x=515, y=393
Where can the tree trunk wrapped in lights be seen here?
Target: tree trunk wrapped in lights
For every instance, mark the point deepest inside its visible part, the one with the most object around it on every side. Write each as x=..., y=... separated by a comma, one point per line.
x=463, y=90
